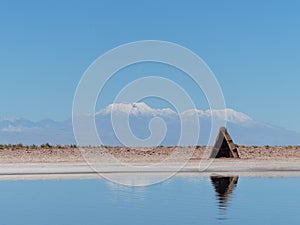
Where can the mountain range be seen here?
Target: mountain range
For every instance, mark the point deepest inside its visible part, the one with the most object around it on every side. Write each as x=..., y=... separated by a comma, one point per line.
x=243, y=129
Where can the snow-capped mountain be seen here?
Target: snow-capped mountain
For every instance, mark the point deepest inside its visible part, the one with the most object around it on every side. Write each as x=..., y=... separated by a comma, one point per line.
x=228, y=115
x=139, y=108
x=243, y=128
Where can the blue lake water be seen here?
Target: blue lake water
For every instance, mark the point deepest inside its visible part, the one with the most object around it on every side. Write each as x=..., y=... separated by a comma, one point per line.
x=180, y=200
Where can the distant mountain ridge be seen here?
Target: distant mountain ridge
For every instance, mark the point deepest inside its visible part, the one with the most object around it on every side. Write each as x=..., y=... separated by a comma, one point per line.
x=142, y=108
x=243, y=128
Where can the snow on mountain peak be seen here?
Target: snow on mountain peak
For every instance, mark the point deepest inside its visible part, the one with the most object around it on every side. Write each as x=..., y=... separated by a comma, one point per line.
x=127, y=108
x=134, y=109
x=141, y=108
x=234, y=116
x=229, y=115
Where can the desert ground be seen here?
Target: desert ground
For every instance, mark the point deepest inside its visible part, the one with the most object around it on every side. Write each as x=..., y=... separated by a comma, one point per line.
x=29, y=154
x=19, y=162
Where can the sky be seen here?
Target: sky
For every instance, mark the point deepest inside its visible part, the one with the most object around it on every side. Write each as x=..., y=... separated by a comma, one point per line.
x=253, y=48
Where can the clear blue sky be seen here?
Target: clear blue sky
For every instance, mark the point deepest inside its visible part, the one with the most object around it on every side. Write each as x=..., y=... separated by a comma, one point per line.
x=253, y=47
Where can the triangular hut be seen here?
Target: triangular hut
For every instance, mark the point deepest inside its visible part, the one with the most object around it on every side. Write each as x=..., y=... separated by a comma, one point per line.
x=224, y=146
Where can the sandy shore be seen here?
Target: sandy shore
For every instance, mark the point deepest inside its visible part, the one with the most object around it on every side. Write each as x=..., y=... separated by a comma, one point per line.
x=219, y=167
x=70, y=163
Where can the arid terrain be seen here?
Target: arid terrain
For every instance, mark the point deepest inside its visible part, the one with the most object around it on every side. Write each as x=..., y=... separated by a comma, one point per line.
x=51, y=154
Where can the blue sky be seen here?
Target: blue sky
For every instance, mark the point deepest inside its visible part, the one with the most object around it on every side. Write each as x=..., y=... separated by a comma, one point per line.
x=253, y=47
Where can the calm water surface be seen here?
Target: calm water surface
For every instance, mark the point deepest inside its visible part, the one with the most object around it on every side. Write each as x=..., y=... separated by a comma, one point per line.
x=190, y=200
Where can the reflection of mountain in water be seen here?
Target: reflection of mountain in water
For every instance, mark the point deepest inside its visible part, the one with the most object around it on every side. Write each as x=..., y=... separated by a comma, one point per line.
x=223, y=187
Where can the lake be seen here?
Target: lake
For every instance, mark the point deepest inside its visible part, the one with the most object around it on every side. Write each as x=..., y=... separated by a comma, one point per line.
x=180, y=200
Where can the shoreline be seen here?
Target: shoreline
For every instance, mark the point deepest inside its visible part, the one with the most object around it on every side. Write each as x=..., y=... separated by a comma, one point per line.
x=219, y=167
x=69, y=163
